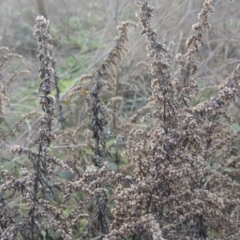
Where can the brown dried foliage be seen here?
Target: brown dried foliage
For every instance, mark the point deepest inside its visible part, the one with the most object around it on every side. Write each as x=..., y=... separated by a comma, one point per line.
x=167, y=189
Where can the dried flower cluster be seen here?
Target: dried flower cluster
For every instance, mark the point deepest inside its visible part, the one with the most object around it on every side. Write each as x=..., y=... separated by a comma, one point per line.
x=165, y=190
x=37, y=185
x=170, y=180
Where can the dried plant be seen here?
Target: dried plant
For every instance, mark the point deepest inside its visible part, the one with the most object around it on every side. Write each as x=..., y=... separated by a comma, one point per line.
x=171, y=187
x=164, y=186
x=37, y=184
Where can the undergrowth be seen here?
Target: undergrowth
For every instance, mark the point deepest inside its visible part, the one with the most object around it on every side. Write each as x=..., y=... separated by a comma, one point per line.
x=92, y=164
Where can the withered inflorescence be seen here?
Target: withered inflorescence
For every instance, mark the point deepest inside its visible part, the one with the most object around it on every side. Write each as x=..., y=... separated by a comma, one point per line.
x=164, y=188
